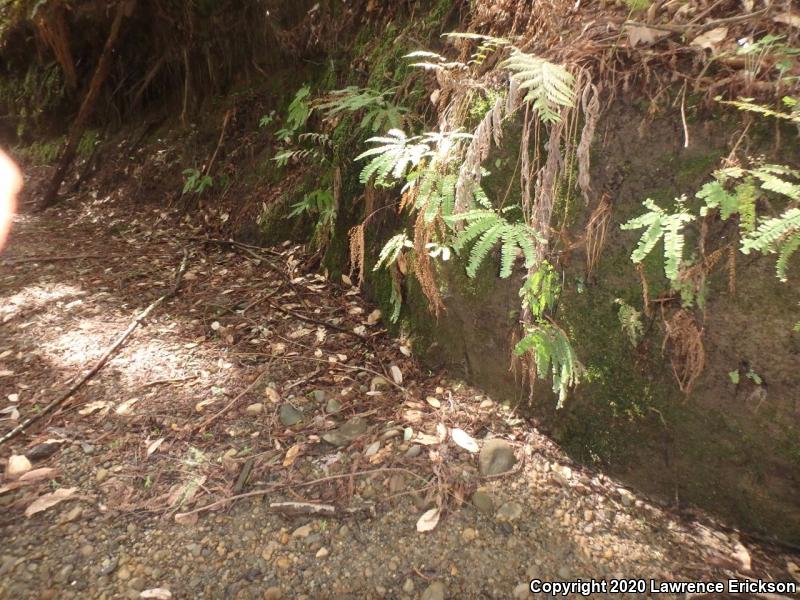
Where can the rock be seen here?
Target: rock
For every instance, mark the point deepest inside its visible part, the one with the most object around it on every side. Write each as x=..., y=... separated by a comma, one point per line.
x=123, y=574
x=137, y=583
x=322, y=553
x=469, y=534
x=302, y=532
x=413, y=452
x=408, y=585
x=588, y=515
x=72, y=515
x=434, y=591
x=17, y=466
x=378, y=384
x=101, y=475
x=509, y=512
x=563, y=573
x=289, y=415
x=482, y=501
x=194, y=549
x=283, y=563
x=486, y=404
x=254, y=409
x=333, y=406
x=319, y=395
x=372, y=449
x=496, y=457
x=42, y=451
x=273, y=593
x=521, y=591
x=347, y=432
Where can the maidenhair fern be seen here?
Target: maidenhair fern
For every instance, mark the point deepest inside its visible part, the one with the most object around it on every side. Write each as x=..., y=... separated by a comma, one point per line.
x=630, y=320
x=484, y=229
x=391, y=250
x=778, y=234
x=554, y=356
x=659, y=224
x=549, y=86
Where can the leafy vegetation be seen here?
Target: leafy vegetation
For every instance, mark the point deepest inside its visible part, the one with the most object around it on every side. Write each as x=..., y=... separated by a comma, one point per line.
x=196, y=181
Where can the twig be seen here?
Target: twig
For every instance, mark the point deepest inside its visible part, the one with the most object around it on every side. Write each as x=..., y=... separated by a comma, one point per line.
x=106, y=355
x=279, y=486
x=683, y=118
x=313, y=321
x=202, y=426
x=27, y=259
x=294, y=509
x=232, y=243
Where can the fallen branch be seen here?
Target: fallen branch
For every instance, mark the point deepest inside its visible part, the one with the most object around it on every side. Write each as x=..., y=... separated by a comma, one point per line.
x=104, y=358
x=263, y=492
x=298, y=509
x=29, y=259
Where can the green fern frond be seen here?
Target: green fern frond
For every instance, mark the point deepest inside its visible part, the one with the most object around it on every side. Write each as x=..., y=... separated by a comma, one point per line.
x=787, y=249
x=485, y=228
x=659, y=224
x=553, y=356
x=772, y=231
x=541, y=290
x=391, y=250
x=549, y=86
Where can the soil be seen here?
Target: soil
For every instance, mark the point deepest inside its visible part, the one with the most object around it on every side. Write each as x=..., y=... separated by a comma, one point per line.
x=223, y=403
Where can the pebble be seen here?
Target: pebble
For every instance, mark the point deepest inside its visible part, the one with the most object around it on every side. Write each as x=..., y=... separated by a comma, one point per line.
x=302, y=532
x=408, y=585
x=434, y=591
x=289, y=415
x=496, y=457
x=254, y=409
x=283, y=563
x=322, y=553
x=469, y=535
x=101, y=475
x=521, y=591
x=273, y=593
x=414, y=451
x=17, y=466
x=482, y=501
x=510, y=511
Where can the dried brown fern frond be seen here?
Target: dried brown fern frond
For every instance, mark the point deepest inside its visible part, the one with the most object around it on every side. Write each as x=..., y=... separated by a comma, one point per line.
x=356, y=239
x=423, y=266
x=645, y=289
x=687, y=353
x=596, y=232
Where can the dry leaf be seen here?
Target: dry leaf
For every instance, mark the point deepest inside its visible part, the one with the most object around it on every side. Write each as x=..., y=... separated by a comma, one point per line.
x=639, y=34
x=154, y=446
x=49, y=500
x=99, y=405
x=792, y=19
x=39, y=474
x=465, y=440
x=292, y=454
x=156, y=594
x=186, y=518
x=441, y=432
x=710, y=39
x=374, y=317
x=125, y=407
x=346, y=280
x=428, y=521
x=397, y=374
x=434, y=402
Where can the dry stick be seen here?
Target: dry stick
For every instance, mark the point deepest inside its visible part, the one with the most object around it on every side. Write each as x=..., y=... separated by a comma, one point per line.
x=28, y=259
x=124, y=8
x=279, y=486
x=106, y=355
x=202, y=426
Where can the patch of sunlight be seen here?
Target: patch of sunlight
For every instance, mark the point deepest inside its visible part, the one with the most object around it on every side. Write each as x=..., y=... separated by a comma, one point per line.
x=32, y=298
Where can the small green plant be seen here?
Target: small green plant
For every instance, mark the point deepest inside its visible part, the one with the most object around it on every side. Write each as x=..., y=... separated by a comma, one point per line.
x=630, y=320
x=320, y=205
x=553, y=355
x=196, y=182
x=297, y=114
x=379, y=113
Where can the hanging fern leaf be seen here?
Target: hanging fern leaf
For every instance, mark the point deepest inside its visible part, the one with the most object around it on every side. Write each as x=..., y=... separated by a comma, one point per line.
x=553, y=355
x=549, y=86
x=786, y=251
x=660, y=224
x=541, y=289
x=391, y=250
x=485, y=229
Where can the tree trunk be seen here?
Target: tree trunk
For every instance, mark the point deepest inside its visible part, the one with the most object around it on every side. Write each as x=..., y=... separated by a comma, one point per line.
x=124, y=8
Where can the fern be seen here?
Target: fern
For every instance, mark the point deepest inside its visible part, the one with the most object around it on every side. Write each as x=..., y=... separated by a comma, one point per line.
x=553, y=356
x=485, y=228
x=299, y=110
x=659, y=224
x=549, y=86
x=196, y=182
x=392, y=158
x=540, y=291
x=391, y=250
x=778, y=234
x=379, y=113
x=630, y=321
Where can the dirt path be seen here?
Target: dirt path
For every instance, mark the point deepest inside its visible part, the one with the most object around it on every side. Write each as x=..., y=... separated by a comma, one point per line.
x=260, y=379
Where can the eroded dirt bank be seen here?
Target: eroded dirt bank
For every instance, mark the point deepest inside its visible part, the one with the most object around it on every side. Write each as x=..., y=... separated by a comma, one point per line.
x=260, y=380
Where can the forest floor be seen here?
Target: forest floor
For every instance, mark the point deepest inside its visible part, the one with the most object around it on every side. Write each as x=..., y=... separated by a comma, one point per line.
x=257, y=384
